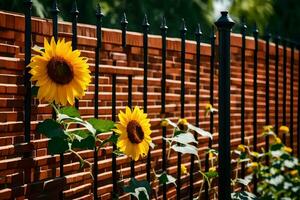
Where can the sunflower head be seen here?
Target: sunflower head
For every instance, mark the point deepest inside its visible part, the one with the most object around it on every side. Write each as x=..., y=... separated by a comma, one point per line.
x=59, y=72
x=294, y=172
x=287, y=149
x=134, y=133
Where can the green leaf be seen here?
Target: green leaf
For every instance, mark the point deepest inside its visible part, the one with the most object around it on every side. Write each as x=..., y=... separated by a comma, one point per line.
x=70, y=111
x=80, y=134
x=211, y=174
x=51, y=129
x=276, y=147
x=184, y=138
x=165, y=178
x=102, y=126
x=87, y=143
x=185, y=149
x=139, y=189
x=34, y=90
x=245, y=181
x=57, y=145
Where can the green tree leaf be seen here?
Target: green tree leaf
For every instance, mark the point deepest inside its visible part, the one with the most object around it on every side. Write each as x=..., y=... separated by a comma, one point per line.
x=87, y=143
x=139, y=189
x=211, y=174
x=165, y=178
x=102, y=126
x=70, y=111
x=57, y=145
x=51, y=129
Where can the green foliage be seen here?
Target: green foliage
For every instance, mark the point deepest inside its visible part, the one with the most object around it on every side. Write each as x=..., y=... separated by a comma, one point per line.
x=139, y=189
x=280, y=179
x=51, y=129
x=102, y=126
x=70, y=111
x=165, y=178
x=57, y=145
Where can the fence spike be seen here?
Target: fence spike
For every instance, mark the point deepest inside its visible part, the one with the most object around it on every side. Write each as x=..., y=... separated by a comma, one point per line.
x=54, y=9
x=124, y=21
x=145, y=23
x=99, y=10
x=74, y=10
x=163, y=25
x=183, y=28
x=198, y=31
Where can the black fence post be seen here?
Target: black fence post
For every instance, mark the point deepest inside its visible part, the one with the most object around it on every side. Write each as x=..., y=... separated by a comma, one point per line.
x=55, y=11
x=74, y=13
x=114, y=157
x=298, y=109
x=267, y=62
x=277, y=40
x=198, y=34
x=145, y=26
x=224, y=24
x=284, y=89
x=211, y=101
x=27, y=83
x=243, y=79
x=164, y=28
x=124, y=24
x=99, y=16
x=255, y=35
x=183, y=30
x=292, y=99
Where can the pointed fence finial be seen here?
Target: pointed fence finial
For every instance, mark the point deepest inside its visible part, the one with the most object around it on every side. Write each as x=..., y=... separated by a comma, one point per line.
x=212, y=34
x=243, y=27
x=183, y=28
x=54, y=9
x=163, y=25
x=99, y=11
x=124, y=21
x=198, y=30
x=145, y=22
x=74, y=10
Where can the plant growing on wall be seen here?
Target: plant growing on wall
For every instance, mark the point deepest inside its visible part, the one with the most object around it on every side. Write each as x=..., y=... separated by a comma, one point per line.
x=60, y=75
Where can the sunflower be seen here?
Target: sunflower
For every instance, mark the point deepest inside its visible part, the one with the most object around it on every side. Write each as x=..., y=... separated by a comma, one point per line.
x=134, y=133
x=60, y=73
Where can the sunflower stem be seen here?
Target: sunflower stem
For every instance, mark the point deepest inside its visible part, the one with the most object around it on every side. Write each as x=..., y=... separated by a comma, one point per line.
x=54, y=107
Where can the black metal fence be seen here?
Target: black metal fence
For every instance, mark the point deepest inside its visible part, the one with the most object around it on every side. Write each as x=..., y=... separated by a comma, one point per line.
x=224, y=25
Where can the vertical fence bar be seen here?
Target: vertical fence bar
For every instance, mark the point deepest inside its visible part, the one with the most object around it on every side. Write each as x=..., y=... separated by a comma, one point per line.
x=183, y=30
x=277, y=39
x=124, y=24
x=99, y=16
x=298, y=109
x=211, y=101
x=74, y=13
x=224, y=24
x=114, y=158
x=163, y=29
x=55, y=12
x=145, y=26
x=267, y=61
x=243, y=32
x=27, y=84
x=198, y=34
x=292, y=99
x=255, y=35
x=284, y=89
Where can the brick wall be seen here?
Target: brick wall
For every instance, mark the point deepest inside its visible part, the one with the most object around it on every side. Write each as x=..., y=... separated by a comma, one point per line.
x=42, y=168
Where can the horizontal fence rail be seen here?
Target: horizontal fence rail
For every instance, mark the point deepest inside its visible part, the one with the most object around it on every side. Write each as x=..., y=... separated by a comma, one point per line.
x=258, y=83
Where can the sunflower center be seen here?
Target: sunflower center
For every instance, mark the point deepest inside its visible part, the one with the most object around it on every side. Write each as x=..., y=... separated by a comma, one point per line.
x=135, y=132
x=59, y=71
